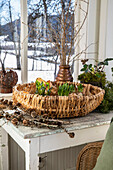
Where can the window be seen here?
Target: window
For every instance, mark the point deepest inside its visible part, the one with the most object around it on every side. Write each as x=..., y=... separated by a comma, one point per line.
x=10, y=35
x=40, y=53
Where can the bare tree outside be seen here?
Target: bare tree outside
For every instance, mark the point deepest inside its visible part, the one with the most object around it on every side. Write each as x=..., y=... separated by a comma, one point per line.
x=10, y=29
x=52, y=32
x=61, y=29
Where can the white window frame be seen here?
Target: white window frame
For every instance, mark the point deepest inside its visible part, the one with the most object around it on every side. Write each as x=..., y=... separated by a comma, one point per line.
x=24, y=41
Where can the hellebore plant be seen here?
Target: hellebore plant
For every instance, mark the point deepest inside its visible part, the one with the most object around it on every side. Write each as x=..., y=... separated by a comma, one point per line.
x=94, y=74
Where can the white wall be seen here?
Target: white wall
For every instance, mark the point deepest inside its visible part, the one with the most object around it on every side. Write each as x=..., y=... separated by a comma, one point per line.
x=109, y=39
x=99, y=30
x=93, y=30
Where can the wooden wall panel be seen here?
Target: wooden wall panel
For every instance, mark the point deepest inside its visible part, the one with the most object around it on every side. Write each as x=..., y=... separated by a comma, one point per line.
x=0, y=151
x=16, y=156
x=64, y=159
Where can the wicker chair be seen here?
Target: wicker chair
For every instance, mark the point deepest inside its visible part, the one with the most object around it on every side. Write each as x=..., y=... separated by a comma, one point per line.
x=88, y=156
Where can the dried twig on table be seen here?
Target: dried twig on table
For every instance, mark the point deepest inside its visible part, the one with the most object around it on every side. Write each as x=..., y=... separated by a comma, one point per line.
x=19, y=117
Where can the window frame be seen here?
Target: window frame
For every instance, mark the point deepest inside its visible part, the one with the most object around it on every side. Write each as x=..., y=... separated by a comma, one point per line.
x=24, y=41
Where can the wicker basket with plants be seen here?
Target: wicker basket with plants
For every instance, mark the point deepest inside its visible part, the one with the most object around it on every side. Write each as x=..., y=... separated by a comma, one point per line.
x=62, y=98
x=58, y=100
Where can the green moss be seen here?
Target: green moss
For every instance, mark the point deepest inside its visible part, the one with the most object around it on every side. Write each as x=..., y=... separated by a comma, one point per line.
x=107, y=103
x=96, y=76
x=95, y=79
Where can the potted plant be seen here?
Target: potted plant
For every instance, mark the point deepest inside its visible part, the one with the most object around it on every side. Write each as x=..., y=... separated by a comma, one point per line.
x=8, y=78
x=94, y=74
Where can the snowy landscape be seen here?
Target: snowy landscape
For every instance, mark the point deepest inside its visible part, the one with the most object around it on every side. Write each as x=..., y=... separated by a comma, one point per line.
x=42, y=69
x=43, y=53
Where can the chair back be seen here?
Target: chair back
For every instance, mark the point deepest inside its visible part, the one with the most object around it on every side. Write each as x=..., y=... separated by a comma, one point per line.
x=88, y=156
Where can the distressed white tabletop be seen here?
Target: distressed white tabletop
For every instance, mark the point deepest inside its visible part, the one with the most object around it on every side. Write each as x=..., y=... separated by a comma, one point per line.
x=90, y=120
x=6, y=95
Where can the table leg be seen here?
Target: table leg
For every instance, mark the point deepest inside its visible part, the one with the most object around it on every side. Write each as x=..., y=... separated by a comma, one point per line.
x=4, y=149
x=32, y=158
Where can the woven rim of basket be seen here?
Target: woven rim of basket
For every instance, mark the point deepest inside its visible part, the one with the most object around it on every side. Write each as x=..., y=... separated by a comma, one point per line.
x=100, y=93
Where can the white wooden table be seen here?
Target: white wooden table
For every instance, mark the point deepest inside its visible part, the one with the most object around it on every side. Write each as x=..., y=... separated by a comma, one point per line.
x=92, y=127
x=6, y=95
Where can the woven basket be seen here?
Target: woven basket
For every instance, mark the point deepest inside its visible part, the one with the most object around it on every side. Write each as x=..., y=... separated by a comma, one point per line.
x=59, y=106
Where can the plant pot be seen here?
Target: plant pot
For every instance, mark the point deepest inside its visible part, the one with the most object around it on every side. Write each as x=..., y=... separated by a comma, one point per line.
x=64, y=74
x=8, y=79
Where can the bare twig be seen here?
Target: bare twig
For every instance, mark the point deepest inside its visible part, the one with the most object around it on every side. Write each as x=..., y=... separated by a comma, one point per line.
x=83, y=51
x=63, y=45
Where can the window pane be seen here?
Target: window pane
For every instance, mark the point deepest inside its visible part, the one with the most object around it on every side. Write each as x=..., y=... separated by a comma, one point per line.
x=44, y=42
x=10, y=35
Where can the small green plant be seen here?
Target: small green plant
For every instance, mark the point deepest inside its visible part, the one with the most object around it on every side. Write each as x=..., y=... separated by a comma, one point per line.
x=99, y=67
x=94, y=74
x=65, y=89
x=43, y=89
x=80, y=88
